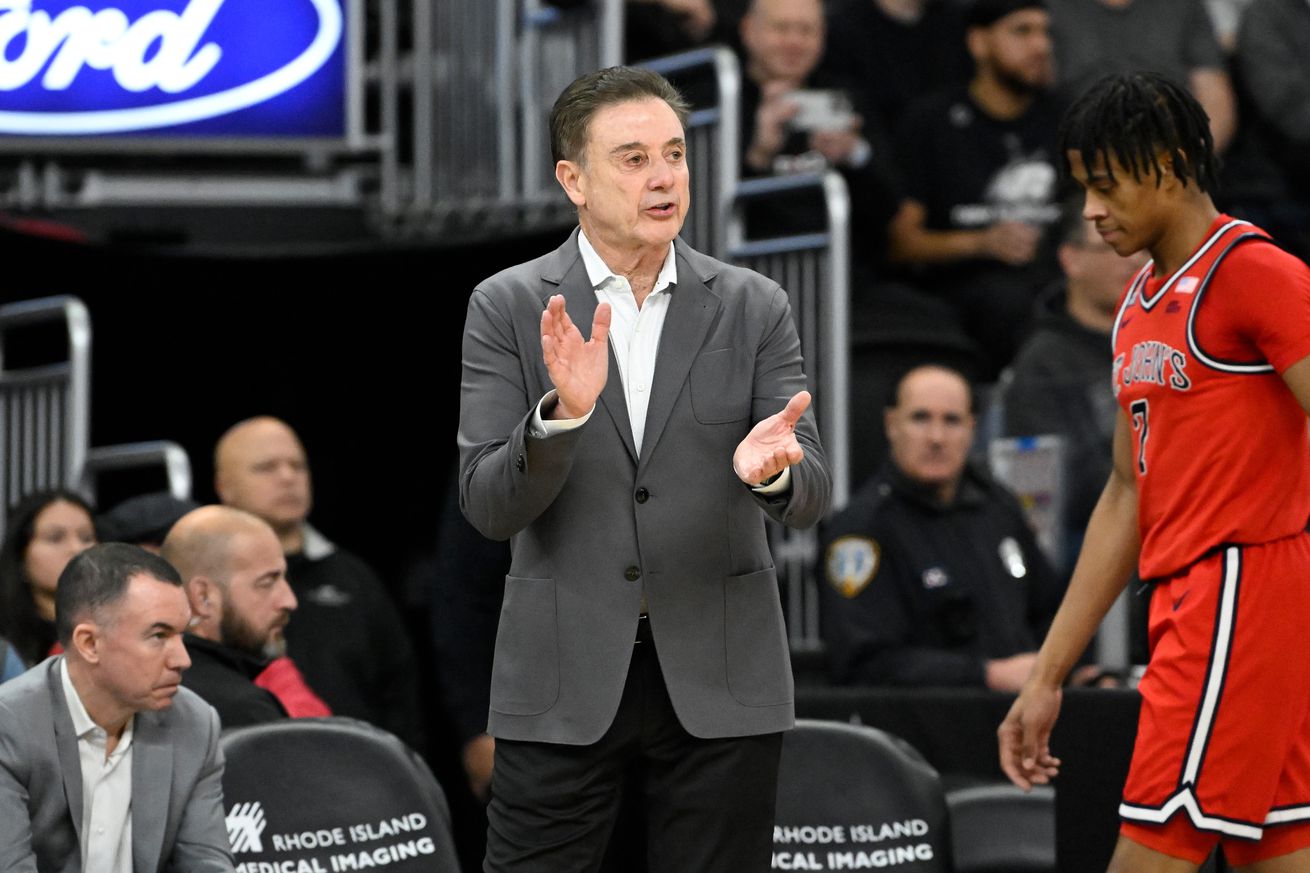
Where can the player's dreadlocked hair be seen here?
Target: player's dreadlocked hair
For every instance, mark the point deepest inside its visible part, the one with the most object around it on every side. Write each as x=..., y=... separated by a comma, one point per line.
x=1134, y=117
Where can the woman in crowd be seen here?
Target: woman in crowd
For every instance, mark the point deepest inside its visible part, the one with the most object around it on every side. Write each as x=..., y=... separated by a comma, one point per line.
x=45, y=531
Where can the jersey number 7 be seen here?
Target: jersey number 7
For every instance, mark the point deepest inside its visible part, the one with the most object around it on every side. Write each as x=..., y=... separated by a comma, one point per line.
x=1140, y=410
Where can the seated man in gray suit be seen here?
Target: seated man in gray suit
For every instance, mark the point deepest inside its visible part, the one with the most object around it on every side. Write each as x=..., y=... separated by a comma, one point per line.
x=107, y=765
x=641, y=635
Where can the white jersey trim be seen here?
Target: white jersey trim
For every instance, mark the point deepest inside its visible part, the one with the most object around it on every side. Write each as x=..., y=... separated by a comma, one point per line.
x=1287, y=815
x=1148, y=303
x=1214, y=680
x=1185, y=799
x=1216, y=673
x=1194, y=344
x=1134, y=291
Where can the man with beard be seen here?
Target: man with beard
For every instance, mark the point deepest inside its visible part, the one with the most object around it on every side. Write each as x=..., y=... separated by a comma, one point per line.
x=236, y=582
x=348, y=641
x=980, y=178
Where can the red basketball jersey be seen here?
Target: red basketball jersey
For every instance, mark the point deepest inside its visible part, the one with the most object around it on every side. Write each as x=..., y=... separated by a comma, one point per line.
x=1220, y=442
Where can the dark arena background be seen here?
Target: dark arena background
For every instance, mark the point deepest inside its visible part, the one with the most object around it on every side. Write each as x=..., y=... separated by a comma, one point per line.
x=310, y=255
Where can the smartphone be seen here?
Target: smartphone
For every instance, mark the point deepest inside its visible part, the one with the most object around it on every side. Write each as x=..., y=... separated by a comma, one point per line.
x=821, y=109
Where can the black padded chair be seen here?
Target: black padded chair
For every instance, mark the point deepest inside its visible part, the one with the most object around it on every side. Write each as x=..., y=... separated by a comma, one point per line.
x=332, y=794
x=853, y=797
x=998, y=828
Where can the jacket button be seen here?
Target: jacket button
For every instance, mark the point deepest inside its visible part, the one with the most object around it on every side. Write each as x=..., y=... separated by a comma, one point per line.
x=632, y=574
x=520, y=463
x=642, y=495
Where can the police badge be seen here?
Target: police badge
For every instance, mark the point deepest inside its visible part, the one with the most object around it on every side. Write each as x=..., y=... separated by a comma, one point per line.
x=852, y=563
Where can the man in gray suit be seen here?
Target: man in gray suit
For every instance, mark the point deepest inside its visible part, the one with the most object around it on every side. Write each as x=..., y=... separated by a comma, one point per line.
x=107, y=765
x=641, y=635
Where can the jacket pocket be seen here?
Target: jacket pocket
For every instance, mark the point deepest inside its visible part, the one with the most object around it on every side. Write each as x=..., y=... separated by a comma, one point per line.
x=755, y=641
x=525, y=679
x=721, y=387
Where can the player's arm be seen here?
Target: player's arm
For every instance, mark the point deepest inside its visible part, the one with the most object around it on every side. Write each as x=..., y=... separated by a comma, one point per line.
x=1297, y=378
x=1109, y=553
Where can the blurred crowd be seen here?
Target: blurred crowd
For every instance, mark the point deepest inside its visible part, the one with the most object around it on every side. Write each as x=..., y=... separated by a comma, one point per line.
x=942, y=115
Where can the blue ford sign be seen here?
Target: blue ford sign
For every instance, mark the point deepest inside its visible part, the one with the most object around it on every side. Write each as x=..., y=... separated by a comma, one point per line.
x=176, y=68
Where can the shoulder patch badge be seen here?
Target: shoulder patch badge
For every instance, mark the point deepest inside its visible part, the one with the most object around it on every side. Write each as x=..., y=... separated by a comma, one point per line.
x=852, y=562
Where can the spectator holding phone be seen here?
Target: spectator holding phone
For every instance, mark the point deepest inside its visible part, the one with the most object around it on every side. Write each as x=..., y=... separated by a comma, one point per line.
x=797, y=119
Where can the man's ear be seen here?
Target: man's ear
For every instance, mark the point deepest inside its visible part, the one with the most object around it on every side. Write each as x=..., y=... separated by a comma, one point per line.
x=569, y=176
x=975, y=40
x=86, y=641
x=202, y=594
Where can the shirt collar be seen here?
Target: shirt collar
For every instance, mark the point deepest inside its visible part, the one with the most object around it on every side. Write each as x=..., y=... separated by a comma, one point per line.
x=82, y=721
x=598, y=271
x=315, y=546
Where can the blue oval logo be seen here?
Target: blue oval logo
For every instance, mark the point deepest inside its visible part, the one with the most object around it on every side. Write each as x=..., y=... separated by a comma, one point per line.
x=206, y=67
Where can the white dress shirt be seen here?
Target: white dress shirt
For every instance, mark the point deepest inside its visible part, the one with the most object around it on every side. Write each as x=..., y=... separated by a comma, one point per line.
x=106, y=788
x=634, y=338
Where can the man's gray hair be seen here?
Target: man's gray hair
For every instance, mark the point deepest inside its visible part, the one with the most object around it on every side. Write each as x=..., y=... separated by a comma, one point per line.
x=570, y=117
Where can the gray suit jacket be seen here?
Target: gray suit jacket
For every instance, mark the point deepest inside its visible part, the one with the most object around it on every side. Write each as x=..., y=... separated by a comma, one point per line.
x=594, y=525
x=177, y=790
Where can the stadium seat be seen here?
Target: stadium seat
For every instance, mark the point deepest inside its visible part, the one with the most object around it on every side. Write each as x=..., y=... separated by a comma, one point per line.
x=856, y=798
x=332, y=794
x=998, y=828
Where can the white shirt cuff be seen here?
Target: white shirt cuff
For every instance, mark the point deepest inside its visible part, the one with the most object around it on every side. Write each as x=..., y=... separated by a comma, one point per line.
x=540, y=428
x=777, y=486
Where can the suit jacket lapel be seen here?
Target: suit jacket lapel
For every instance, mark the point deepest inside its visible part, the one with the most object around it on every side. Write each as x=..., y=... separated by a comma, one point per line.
x=692, y=308
x=568, y=276
x=152, y=776
x=70, y=762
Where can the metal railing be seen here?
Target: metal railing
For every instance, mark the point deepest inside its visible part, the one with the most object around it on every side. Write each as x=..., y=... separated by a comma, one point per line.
x=713, y=135
x=555, y=47
x=44, y=409
x=155, y=454
x=45, y=412
x=814, y=269
x=476, y=81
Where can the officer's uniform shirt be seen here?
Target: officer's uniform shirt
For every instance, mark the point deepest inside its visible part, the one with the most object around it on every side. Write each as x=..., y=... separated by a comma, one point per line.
x=922, y=593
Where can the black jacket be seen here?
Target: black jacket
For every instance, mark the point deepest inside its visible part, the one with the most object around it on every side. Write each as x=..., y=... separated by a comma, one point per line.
x=923, y=593
x=351, y=645
x=1059, y=384
x=225, y=678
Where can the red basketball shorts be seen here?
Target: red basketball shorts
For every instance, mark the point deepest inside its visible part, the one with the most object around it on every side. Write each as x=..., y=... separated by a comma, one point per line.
x=1223, y=742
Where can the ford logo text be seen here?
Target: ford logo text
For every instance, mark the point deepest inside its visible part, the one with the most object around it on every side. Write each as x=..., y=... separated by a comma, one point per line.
x=130, y=66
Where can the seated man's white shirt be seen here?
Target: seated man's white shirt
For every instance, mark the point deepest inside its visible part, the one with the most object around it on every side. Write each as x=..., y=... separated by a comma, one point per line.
x=106, y=789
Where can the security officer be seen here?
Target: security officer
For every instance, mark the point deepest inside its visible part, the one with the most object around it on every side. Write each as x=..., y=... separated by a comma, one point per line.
x=934, y=577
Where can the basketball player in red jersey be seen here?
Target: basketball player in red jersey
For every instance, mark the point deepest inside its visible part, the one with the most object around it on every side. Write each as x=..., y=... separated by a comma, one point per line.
x=1209, y=498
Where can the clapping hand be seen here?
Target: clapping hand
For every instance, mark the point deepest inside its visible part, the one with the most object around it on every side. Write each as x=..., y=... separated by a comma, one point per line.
x=771, y=446
x=578, y=368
